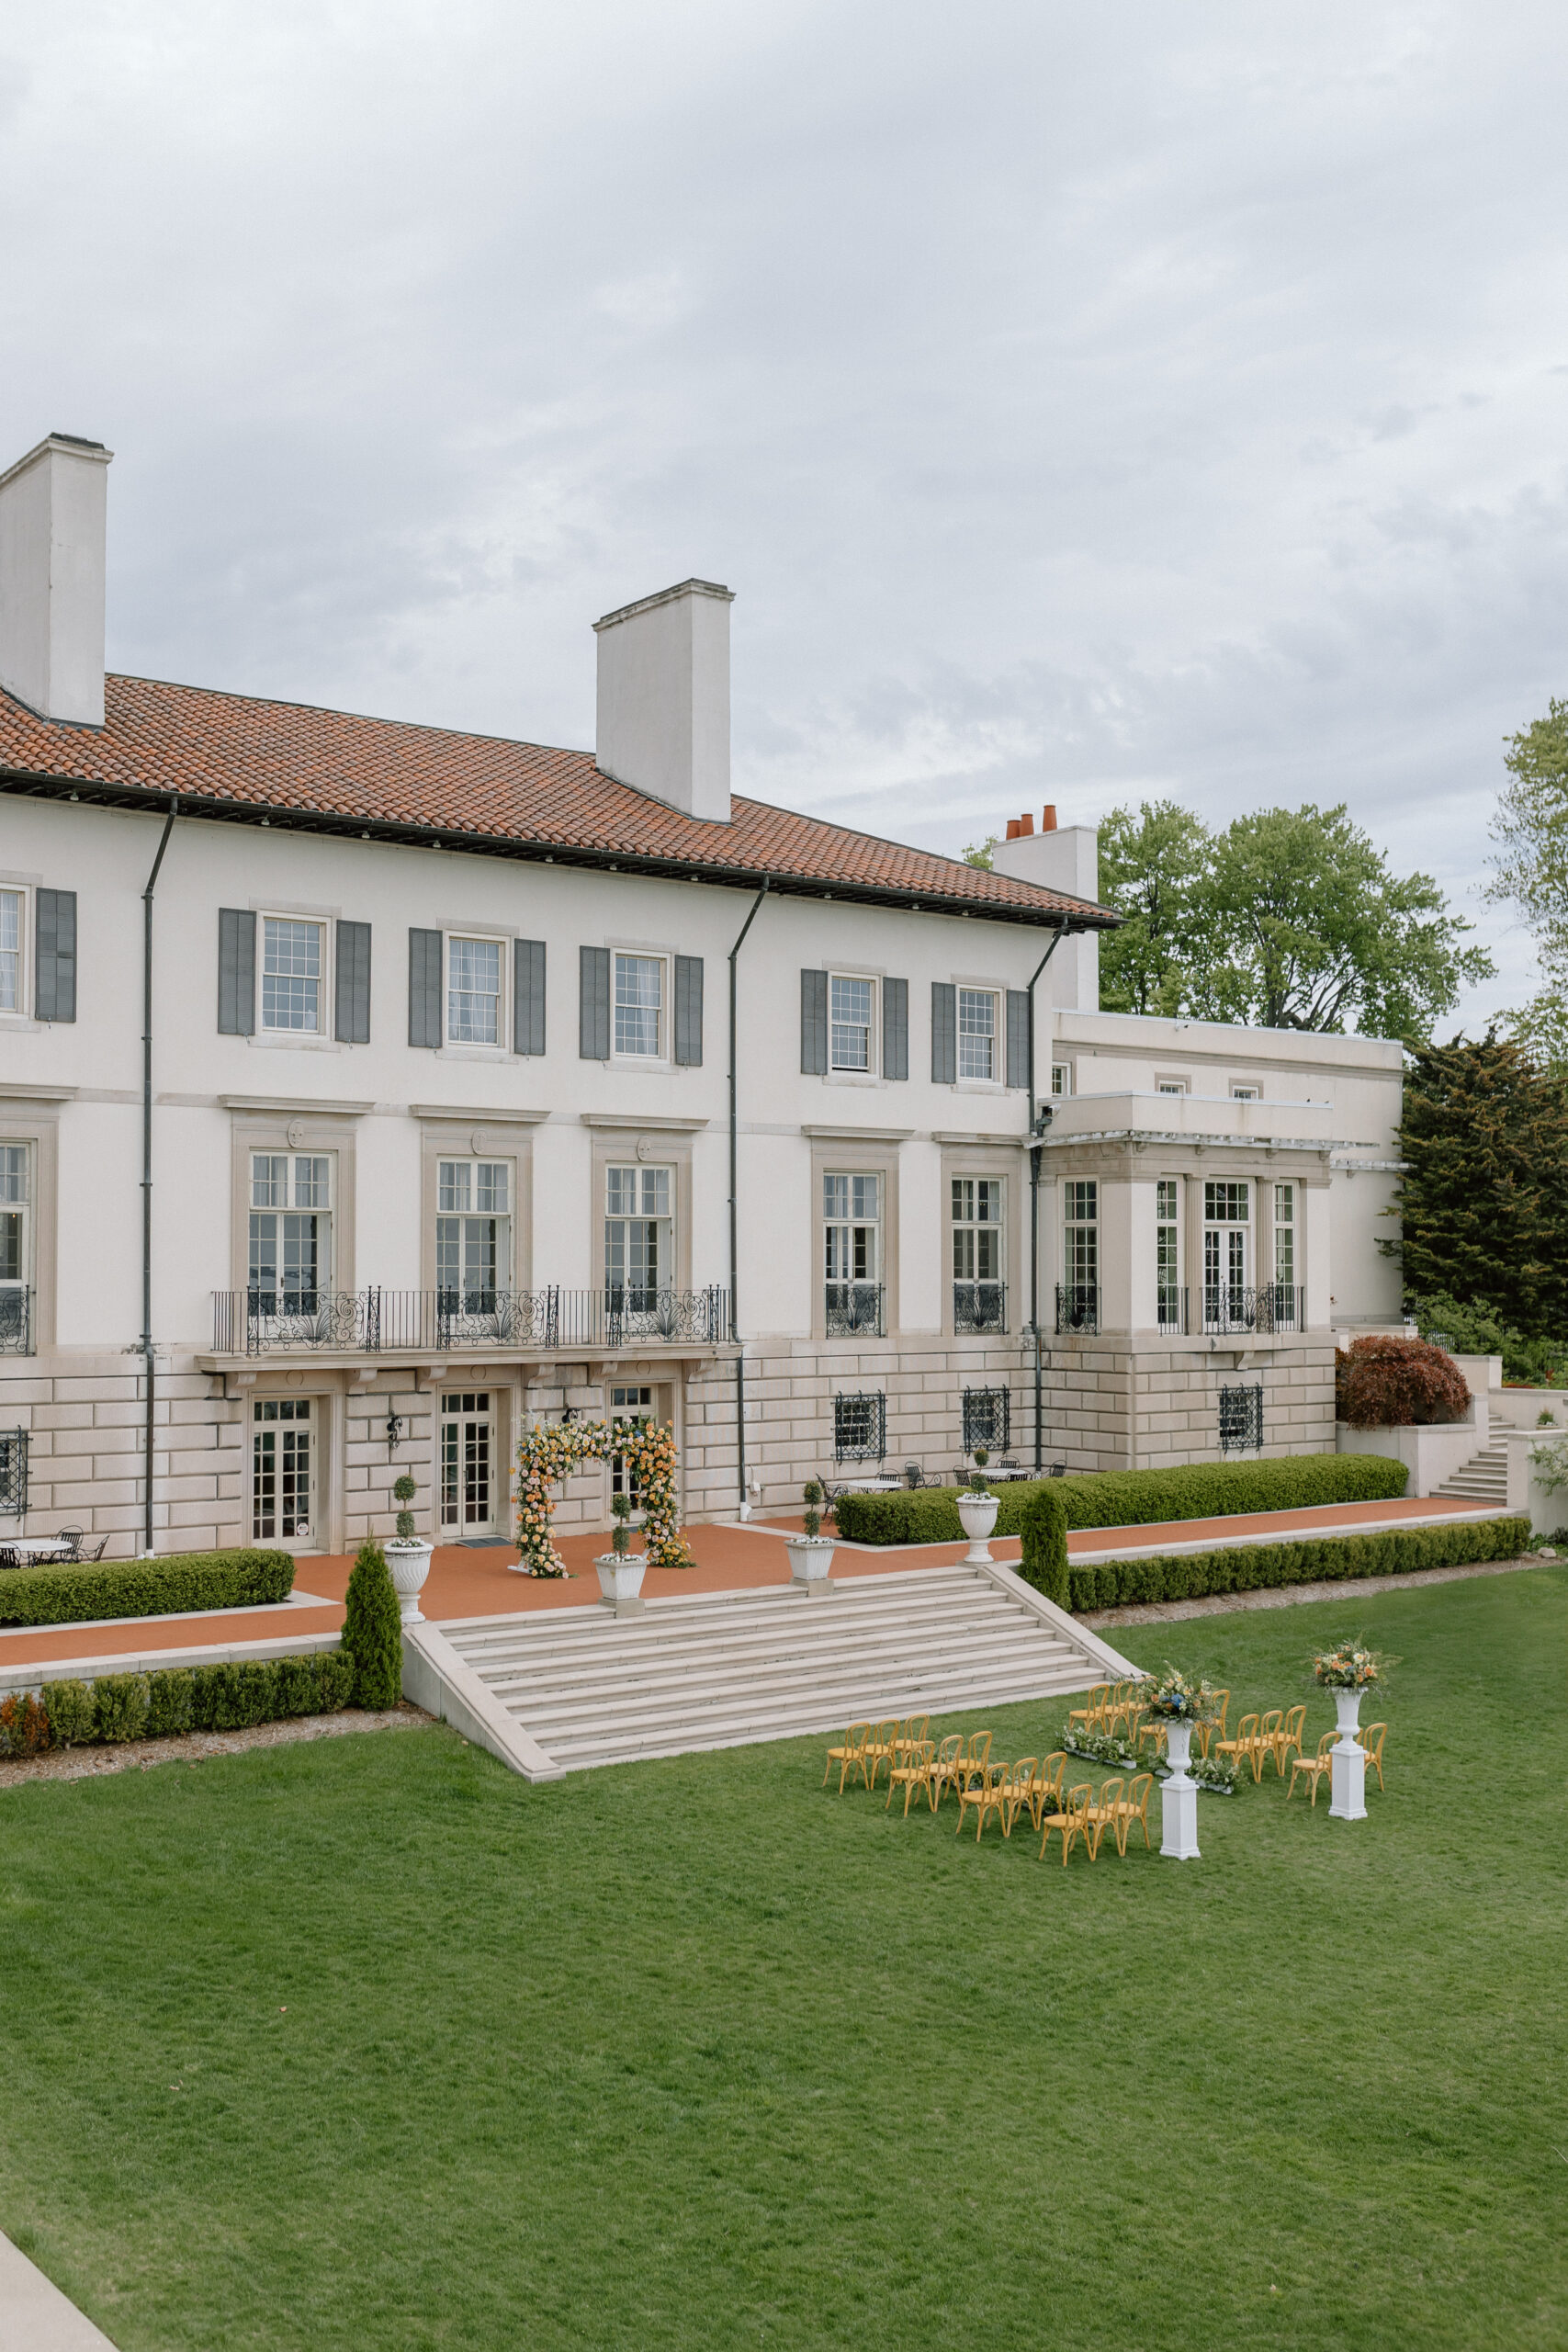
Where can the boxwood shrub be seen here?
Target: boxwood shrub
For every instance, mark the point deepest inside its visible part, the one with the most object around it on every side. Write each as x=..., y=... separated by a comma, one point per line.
x=1121, y=1584
x=1131, y=1497
x=180, y=1699
x=65, y=1596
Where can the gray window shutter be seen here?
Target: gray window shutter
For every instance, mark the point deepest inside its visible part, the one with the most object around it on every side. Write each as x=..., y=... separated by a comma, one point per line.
x=527, y=996
x=689, y=1009
x=54, y=997
x=424, y=988
x=352, y=1024
x=236, y=972
x=944, y=1033
x=895, y=1028
x=1017, y=1036
x=814, y=1024
x=593, y=1005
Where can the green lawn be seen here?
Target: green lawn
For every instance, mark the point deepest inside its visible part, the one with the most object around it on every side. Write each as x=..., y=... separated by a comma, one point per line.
x=368, y=2044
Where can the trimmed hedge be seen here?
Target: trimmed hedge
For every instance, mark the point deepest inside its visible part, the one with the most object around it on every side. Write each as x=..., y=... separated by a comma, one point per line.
x=1131, y=1497
x=1246, y=1567
x=65, y=1596
x=161, y=1707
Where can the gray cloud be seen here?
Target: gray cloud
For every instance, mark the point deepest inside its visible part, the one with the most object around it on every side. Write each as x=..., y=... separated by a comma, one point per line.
x=1083, y=403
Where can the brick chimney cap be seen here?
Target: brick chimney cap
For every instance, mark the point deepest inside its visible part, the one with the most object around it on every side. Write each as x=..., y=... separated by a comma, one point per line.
x=1048, y=818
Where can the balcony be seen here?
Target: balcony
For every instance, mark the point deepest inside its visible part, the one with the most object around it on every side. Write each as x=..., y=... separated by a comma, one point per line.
x=979, y=1307
x=1077, y=1307
x=422, y=1322
x=1171, y=1311
x=16, y=1322
x=1274, y=1307
x=854, y=1310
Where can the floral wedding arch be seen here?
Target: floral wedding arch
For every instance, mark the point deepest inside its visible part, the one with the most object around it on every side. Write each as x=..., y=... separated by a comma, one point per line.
x=547, y=1455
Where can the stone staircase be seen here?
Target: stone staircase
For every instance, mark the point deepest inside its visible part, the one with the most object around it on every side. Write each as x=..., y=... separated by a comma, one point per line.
x=723, y=1669
x=1483, y=1479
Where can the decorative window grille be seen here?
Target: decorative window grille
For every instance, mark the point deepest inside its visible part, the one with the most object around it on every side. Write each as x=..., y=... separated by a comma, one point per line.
x=1241, y=1419
x=852, y=1021
x=987, y=1420
x=860, y=1426
x=13, y=1473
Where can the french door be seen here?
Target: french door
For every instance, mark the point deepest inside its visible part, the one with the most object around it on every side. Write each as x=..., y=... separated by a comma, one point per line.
x=283, y=1469
x=470, y=1494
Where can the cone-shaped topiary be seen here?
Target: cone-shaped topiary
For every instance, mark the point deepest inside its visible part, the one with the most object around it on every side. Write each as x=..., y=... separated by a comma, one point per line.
x=1044, y=1561
x=372, y=1632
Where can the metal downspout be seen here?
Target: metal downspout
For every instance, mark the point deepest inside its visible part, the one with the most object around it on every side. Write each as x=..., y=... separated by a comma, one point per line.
x=147, y=1172
x=735, y=1212
x=1036, y=1135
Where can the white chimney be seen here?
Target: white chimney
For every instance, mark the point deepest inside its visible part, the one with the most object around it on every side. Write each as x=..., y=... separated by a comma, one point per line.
x=664, y=698
x=1064, y=857
x=53, y=509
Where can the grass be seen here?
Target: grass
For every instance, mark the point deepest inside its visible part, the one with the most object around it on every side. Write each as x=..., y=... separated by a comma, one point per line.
x=368, y=2044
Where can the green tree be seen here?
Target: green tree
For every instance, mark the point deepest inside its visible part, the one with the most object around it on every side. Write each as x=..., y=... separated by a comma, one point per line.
x=372, y=1631
x=979, y=852
x=1483, y=1202
x=1152, y=867
x=1530, y=826
x=1308, y=929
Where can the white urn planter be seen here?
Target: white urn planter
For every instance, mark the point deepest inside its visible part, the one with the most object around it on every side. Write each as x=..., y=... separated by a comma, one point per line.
x=810, y=1557
x=1347, y=1762
x=978, y=1513
x=1178, y=1798
x=408, y=1563
x=620, y=1581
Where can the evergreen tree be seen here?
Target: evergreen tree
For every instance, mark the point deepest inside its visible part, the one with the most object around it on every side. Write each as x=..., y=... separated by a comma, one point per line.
x=1483, y=1203
x=372, y=1631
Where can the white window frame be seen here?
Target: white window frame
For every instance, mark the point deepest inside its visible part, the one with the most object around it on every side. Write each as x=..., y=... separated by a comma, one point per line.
x=323, y=929
x=971, y=1230
x=1245, y=1093
x=635, y=1401
x=291, y=1204
x=1167, y=1253
x=500, y=1042
x=22, y=1009
x=1170, y=1086
x=662, y=1059
x=872, y=1065
x=290, y=1413
x=1080, y=1233
x=635, y=1292
x=17, y=1162
x=853, y=1221
x=1285, y=1230
x=995, y=1038
x=1061, y=1078
x=471, y=1211
x=1228, y=1281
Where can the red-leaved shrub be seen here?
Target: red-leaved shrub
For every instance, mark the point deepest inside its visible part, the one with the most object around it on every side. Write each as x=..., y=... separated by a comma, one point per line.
x=1384, y=1383
x=24, y=1726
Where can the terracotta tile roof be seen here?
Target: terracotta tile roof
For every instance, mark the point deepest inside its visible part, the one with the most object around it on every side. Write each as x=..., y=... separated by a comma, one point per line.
x=232, y=754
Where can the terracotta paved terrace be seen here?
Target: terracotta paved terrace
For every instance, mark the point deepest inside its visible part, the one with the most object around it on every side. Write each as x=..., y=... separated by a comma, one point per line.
x=482, y=1582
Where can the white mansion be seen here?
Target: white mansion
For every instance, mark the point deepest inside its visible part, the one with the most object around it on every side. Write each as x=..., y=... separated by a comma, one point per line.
x=367, y=1091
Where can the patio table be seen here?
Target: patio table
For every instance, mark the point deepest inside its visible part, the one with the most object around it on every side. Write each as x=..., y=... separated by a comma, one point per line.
x=38, y=1547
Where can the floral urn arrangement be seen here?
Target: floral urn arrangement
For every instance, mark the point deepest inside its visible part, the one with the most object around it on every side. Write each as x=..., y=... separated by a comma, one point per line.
x=977, y=1511
x=408, y=1555
x=1349, y=1669
x=1174, y=1700
x=621, y=1571
x=811, y=1553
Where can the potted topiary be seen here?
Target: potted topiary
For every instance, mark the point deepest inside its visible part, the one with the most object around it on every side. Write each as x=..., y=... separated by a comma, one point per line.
x=977, y=1509
x=811, y=1553
x=621, y=1569
x=408, y=1555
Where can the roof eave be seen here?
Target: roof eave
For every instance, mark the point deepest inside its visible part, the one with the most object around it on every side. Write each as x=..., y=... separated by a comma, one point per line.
x=1073, y=917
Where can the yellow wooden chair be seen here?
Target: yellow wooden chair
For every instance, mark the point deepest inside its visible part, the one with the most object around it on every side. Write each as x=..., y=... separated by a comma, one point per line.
x=1017, y=1797
x=1287, y=1740
x=988, y=1794
x=1153, y=1731
x=881, y=1748
x=1371, y=1736
x=1101, y=1815
x=1133, y=1806
x=1070, y=1821
x=973, y=1762
x=945, y=1765
x=1315, y=1767
x=850, y=1757
x=1244, y=1747
x=914, y=1772
x=1216, y=1729
x=915, y=1729
x=1120, y=1704
x=1093, y=1715
x=1045, y=1785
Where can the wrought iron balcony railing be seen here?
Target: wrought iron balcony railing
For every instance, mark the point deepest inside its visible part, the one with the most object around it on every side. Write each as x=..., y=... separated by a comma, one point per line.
x=1077, y=1307
x=1170, y=1309
x=854, y=1310
x=979, y=1306
x=1276, y=1307
x=371, y=1322
x=16, y=1320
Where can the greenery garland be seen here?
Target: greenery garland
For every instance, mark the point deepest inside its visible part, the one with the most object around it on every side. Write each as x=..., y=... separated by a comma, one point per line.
x=548, y=1454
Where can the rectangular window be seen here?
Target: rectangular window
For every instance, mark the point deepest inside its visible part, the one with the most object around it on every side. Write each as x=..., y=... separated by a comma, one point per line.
x=1247, y=1094
x=639, y=1238
x=1061, y=1078
x=291, y=976
x=628, y=1404
x=473, y=991
x=852, y=1253
x=290, y=1235
x=281, y=1469
x=473, y=1230
x=860, y=1426
x=1173, y=1086
x=1226, y=1226
x=852, y=1002
x=1285, y=1236
x=979, y=1296
x=1082, y=1252
x=10, y=951
x=639, y=1006
x=1167, y=1253
x=976, y=1033
x=14, y=1252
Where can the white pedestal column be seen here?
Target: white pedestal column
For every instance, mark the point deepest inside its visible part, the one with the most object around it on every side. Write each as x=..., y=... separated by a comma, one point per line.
x=1348, y=1766
x=1179, y=1800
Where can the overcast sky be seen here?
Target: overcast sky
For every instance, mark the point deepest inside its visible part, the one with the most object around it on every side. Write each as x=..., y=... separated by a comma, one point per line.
x=1085, y=401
